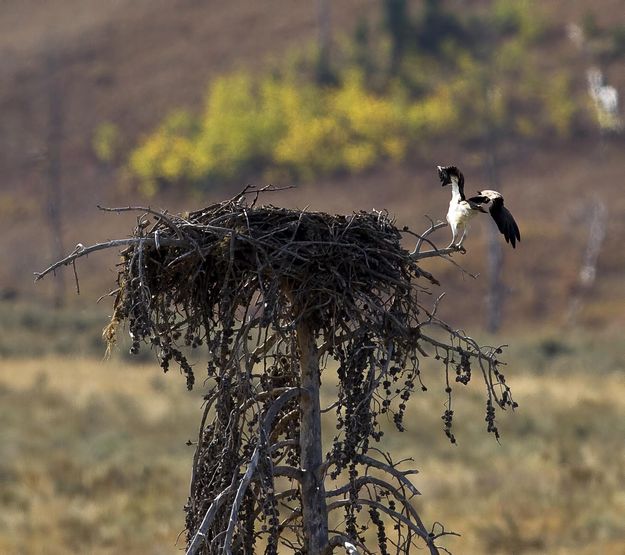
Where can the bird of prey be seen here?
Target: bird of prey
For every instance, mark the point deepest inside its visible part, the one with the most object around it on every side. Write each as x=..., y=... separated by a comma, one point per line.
x=462, y=209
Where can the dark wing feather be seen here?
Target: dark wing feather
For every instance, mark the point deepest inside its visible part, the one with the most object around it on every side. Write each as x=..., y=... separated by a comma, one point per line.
x=505, y=222
x=477, y=202
x=479, y=199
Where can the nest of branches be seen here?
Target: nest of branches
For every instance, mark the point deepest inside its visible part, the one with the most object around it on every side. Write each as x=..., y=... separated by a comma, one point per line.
x=249, y=284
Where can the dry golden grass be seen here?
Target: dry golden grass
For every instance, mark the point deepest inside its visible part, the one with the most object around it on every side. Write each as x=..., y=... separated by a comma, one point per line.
x=94, y=461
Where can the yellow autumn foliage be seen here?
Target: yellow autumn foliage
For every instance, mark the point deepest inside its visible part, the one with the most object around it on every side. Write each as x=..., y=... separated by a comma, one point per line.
x=283, y=126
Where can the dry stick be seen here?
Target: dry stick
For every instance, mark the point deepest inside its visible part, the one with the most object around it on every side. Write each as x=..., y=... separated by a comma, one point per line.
x=210, y=515
x=346, y=543
x=268, y=189
x=424, y=236
x=247, y=477
x=284, y=422
x=200, y=535
x=284, y=443
x=398, y=474
x=359, y=483
x=289, y=472
x=108, y=245
x=398, y=517
x=234, y=512
x=162, y=215
x=209, y=404
x=416, y=254
x=76, y=277
x=435, y=252
x=278, y=497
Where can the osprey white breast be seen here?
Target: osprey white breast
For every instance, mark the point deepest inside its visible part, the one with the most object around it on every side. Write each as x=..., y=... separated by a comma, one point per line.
x=459, y=214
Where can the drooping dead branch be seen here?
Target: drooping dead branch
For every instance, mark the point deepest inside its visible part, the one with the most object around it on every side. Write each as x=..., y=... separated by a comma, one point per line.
x=277, y=298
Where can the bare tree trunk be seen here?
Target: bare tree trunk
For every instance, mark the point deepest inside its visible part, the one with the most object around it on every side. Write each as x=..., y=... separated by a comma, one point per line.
x=496, y=292
x=53, y=172
x=397, y=23
x=314, y=510
x=588, y=270
x=324, y=72
x=496, y=287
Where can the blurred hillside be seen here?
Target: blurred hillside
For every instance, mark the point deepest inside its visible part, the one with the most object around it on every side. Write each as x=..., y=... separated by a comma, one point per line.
x=71, y=66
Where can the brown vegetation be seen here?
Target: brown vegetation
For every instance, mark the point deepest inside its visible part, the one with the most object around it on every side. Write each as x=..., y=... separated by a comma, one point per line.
x=98, y=463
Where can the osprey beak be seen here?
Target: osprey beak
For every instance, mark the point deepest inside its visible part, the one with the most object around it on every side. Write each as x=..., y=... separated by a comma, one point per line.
x=443, y=176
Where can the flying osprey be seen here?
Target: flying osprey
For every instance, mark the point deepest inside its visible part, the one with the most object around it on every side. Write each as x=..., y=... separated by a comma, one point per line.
x=462, y=209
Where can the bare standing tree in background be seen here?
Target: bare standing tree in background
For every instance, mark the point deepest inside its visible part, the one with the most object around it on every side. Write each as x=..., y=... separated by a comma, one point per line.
x=53, y=173
x=597, y=227
x=279, y=298
x=324, y=63
x=397, y=22
x=496, y=286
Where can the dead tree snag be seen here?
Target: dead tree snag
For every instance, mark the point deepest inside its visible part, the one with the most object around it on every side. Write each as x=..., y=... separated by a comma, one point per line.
x=280, y=299
x=314, y=511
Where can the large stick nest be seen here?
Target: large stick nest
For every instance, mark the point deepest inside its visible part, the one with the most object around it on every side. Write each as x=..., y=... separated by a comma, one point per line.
x=341, y=272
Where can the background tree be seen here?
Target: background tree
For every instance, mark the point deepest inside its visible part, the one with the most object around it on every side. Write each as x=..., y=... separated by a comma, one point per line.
x=325, y=75
x=53, y=171
x=397, y=24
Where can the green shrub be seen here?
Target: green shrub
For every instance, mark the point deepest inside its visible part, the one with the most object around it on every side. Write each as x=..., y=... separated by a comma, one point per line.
x=106, y=142
x=517, y=17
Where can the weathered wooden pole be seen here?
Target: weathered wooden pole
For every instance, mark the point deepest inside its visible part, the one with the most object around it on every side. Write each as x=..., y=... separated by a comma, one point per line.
x=314, y=510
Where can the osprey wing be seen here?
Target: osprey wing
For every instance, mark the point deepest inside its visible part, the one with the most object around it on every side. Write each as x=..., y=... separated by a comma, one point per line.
x=478, y=202
x=505, y=222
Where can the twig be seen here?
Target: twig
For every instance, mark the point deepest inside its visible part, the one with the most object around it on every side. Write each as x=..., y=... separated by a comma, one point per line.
x=398, y=474
x=435, y=252
x=288, y=471
x=108, y=245
x=398, y=517
x=161, y=215
x=424, y=236
x=243, y=484
x=350, y=545
x=200, y=535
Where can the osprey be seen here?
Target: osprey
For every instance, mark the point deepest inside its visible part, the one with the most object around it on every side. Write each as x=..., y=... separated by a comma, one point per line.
x=462, y=209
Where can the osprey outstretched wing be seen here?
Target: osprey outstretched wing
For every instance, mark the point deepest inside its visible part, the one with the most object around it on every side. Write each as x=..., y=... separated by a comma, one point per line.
x=502, y=216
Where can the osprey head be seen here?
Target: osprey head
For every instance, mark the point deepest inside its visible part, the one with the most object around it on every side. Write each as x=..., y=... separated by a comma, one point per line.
x=448, y=173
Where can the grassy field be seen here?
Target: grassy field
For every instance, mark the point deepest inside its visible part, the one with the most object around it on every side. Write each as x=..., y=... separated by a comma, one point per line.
x=94, y=457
